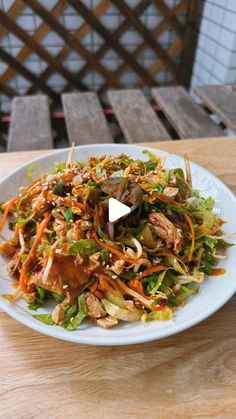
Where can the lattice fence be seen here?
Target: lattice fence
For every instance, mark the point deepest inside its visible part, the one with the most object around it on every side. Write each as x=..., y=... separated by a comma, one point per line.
x=94, y=45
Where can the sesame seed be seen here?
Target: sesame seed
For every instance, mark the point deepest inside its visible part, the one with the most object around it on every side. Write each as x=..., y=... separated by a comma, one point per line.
x=65, y=286
x=58, y=251
x=114, y=276
x=110, y=254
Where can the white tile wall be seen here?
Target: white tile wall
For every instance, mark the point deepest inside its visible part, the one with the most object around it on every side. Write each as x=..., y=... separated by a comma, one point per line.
x=215, y=58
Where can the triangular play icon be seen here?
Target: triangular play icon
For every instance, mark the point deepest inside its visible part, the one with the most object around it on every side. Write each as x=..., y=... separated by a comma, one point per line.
x=116, y=210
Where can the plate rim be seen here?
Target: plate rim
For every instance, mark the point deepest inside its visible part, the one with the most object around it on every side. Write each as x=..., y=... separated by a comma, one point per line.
x=124, y=340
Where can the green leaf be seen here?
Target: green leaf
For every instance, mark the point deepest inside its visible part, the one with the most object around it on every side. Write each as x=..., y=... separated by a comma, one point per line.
x=58, y=298
x=70, y=311
x=208, y=219
x=184, y=293
x=44, y=318
x=35, y=305
x=83, y=311
x=32, y=168
x=121, y=313
x=58, y=188
x=165, y=314
x=159, y=279
x=196, y=277
x=208, y=203
x=83, y=247
x=41, y=292
x=23, y=221
x=69, y=216
x=104, y=255
x=59, y=167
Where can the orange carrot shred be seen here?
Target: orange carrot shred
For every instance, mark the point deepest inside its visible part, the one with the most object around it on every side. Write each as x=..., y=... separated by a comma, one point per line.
x=114, y=251
x=6, y=211
x=150, y=271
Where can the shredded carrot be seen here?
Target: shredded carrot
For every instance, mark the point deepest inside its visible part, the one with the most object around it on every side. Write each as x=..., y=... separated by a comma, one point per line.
x=137, y=286
x=106, y=283
x=191, y=226
x=114, y=251
x=26, y=264
x=150, y=271
x=6, y=211
x=164, y=198
x=145, y=300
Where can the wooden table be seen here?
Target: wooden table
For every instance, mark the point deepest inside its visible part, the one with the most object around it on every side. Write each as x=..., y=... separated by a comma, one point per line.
x=190, y=375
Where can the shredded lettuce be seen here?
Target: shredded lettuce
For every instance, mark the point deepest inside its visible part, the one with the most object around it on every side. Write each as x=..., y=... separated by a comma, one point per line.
x=77, y=320
x=44, y=318
x=196, y=277
x=59, y=167
x=83, y=247
x=165, y=314
x=31, y=169
x=185, y=292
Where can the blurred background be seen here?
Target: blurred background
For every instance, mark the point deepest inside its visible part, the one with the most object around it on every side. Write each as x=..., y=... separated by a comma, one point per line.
x=55, y=46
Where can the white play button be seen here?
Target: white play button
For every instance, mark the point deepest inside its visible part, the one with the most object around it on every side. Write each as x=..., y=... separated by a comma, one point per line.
x=116, y=210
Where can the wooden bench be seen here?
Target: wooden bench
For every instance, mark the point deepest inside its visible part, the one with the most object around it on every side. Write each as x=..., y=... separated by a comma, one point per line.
x=86, y=123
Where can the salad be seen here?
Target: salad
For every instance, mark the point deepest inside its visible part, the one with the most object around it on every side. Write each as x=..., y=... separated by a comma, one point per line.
x=139, y=268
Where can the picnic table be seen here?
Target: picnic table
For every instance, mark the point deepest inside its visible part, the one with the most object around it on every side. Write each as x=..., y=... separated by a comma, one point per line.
x=191, y=374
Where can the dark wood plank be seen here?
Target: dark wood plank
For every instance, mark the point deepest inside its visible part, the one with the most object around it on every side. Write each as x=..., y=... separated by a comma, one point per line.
x=221, y=100
x=85, y=120
x=30, y=127
x=136, y=117
x=188, y=118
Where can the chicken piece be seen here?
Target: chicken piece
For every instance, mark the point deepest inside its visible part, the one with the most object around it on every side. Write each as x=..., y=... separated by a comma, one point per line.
x=166, y=230
x=29, y=298
x=118, y=266
x=7, y=248
x=58, y=314
x=171, y=192
x=65, y=275
x=129, y=305
x=107, y=322
x=40, y=204
x=95, y=308
x=13, y=264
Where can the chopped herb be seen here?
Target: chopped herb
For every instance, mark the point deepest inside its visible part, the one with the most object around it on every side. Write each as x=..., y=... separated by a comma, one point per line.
x=69, y=216
x=58, y=188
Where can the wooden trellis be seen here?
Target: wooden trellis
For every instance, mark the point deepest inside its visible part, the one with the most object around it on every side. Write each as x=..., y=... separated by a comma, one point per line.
x=165, y=57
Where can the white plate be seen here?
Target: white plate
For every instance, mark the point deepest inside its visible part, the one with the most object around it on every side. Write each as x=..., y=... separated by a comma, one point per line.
x=214, y=292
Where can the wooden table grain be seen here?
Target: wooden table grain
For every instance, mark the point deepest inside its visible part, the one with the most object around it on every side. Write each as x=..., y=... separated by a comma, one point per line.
x=191, y=375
